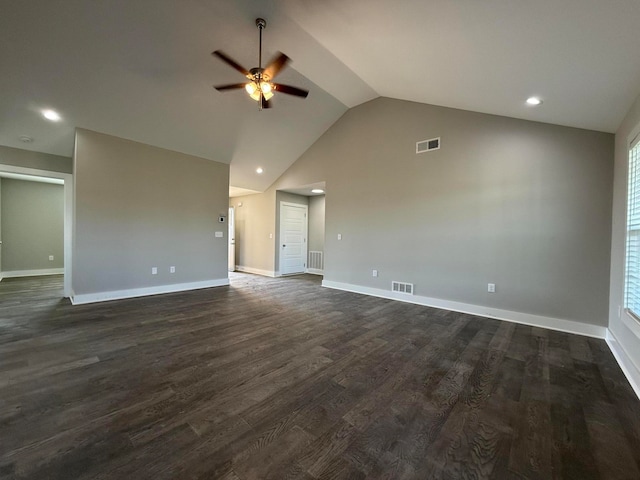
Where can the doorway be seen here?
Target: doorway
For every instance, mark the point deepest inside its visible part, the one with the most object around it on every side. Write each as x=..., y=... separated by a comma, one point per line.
x=293, y=238
x=67, y=180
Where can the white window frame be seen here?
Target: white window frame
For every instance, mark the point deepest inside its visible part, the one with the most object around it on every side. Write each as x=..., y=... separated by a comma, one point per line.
x=632, y=232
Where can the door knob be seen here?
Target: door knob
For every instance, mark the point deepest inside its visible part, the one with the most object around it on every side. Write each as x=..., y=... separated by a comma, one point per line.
x=283, y=246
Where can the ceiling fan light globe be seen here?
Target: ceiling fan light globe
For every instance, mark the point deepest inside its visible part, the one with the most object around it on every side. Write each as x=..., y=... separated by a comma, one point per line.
x=251, y=88
x=265, y=87
x=268, y=95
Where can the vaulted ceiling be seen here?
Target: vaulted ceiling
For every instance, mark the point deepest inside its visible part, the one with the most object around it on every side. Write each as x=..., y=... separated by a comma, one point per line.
x=143, y=69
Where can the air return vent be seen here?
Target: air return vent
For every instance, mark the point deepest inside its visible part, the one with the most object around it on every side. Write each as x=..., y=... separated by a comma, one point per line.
x=402, y=287
x=428, y=145
x=315, y=260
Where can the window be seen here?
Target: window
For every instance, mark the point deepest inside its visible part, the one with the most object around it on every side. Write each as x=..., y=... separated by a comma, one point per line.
x=632, y=271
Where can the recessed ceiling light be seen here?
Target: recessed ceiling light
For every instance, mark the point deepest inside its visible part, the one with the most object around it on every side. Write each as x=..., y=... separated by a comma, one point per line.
x=317, y=190
x=534, y=101
x=51, y=115
x=259, y=170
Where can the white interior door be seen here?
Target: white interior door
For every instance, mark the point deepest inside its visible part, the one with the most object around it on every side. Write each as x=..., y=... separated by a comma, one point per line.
x=293, y=238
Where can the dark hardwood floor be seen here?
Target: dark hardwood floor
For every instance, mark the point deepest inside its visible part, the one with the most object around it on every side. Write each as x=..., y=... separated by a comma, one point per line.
x=282, y=379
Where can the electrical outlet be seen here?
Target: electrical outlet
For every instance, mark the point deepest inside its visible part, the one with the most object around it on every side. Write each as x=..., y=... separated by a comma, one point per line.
x=374, y=273
x=154, y=270
x=172, y=269
x=51, y=258
x=491, y=287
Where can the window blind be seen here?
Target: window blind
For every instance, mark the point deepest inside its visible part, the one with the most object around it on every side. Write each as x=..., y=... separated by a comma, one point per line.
x=632, y=271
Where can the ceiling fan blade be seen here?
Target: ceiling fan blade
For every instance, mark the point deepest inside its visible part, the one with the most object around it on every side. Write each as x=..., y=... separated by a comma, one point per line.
x=277, y=64
x=289, y=90
x=231, y=62
x=231, y=86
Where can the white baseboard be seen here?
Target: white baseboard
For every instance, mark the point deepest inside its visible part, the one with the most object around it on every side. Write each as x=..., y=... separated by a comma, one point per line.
x=143, y=292
x=32, y=273
x=567, y=326
x=629, y=368
x=315, y=271
x=257, y=271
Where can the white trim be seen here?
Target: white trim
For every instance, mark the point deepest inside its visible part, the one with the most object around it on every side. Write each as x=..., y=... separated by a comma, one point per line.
x=630, y=322
x=567, y=326
x=32, y=273
x=629, y=368
x=68, y=214
x=143, y=292
x=315, y=271
x=257, y=271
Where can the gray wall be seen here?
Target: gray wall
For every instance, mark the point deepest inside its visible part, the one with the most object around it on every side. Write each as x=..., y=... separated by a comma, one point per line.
x=255, y=231
x=524, y=205
x=625, y=328
x=32, y=224
x=316, y=223
x=35, y=160
x=137, y=207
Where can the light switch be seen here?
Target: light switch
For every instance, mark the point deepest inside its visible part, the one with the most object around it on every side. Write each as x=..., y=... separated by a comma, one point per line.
x=339, y=236
x=219, y=234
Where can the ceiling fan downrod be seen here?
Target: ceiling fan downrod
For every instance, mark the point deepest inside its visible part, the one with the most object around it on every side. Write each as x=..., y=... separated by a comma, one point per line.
x=261, y=23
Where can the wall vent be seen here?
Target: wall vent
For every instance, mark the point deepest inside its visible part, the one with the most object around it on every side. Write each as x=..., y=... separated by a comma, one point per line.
x=428, y=145
x=402, y=287
x=316, y=260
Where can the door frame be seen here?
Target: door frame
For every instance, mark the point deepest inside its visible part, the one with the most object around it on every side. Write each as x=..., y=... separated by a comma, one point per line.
x=306, y=236
x=68, y=214
x=231, y=260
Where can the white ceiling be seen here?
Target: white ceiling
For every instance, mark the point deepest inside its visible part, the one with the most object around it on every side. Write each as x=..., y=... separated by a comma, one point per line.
x=306, y=190
x=142, y=69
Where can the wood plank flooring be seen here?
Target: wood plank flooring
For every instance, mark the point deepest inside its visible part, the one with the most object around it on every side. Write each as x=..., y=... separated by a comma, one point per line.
x=282, y=379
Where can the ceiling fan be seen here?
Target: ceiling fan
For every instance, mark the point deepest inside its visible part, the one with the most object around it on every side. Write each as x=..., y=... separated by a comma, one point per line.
x=260, y=86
